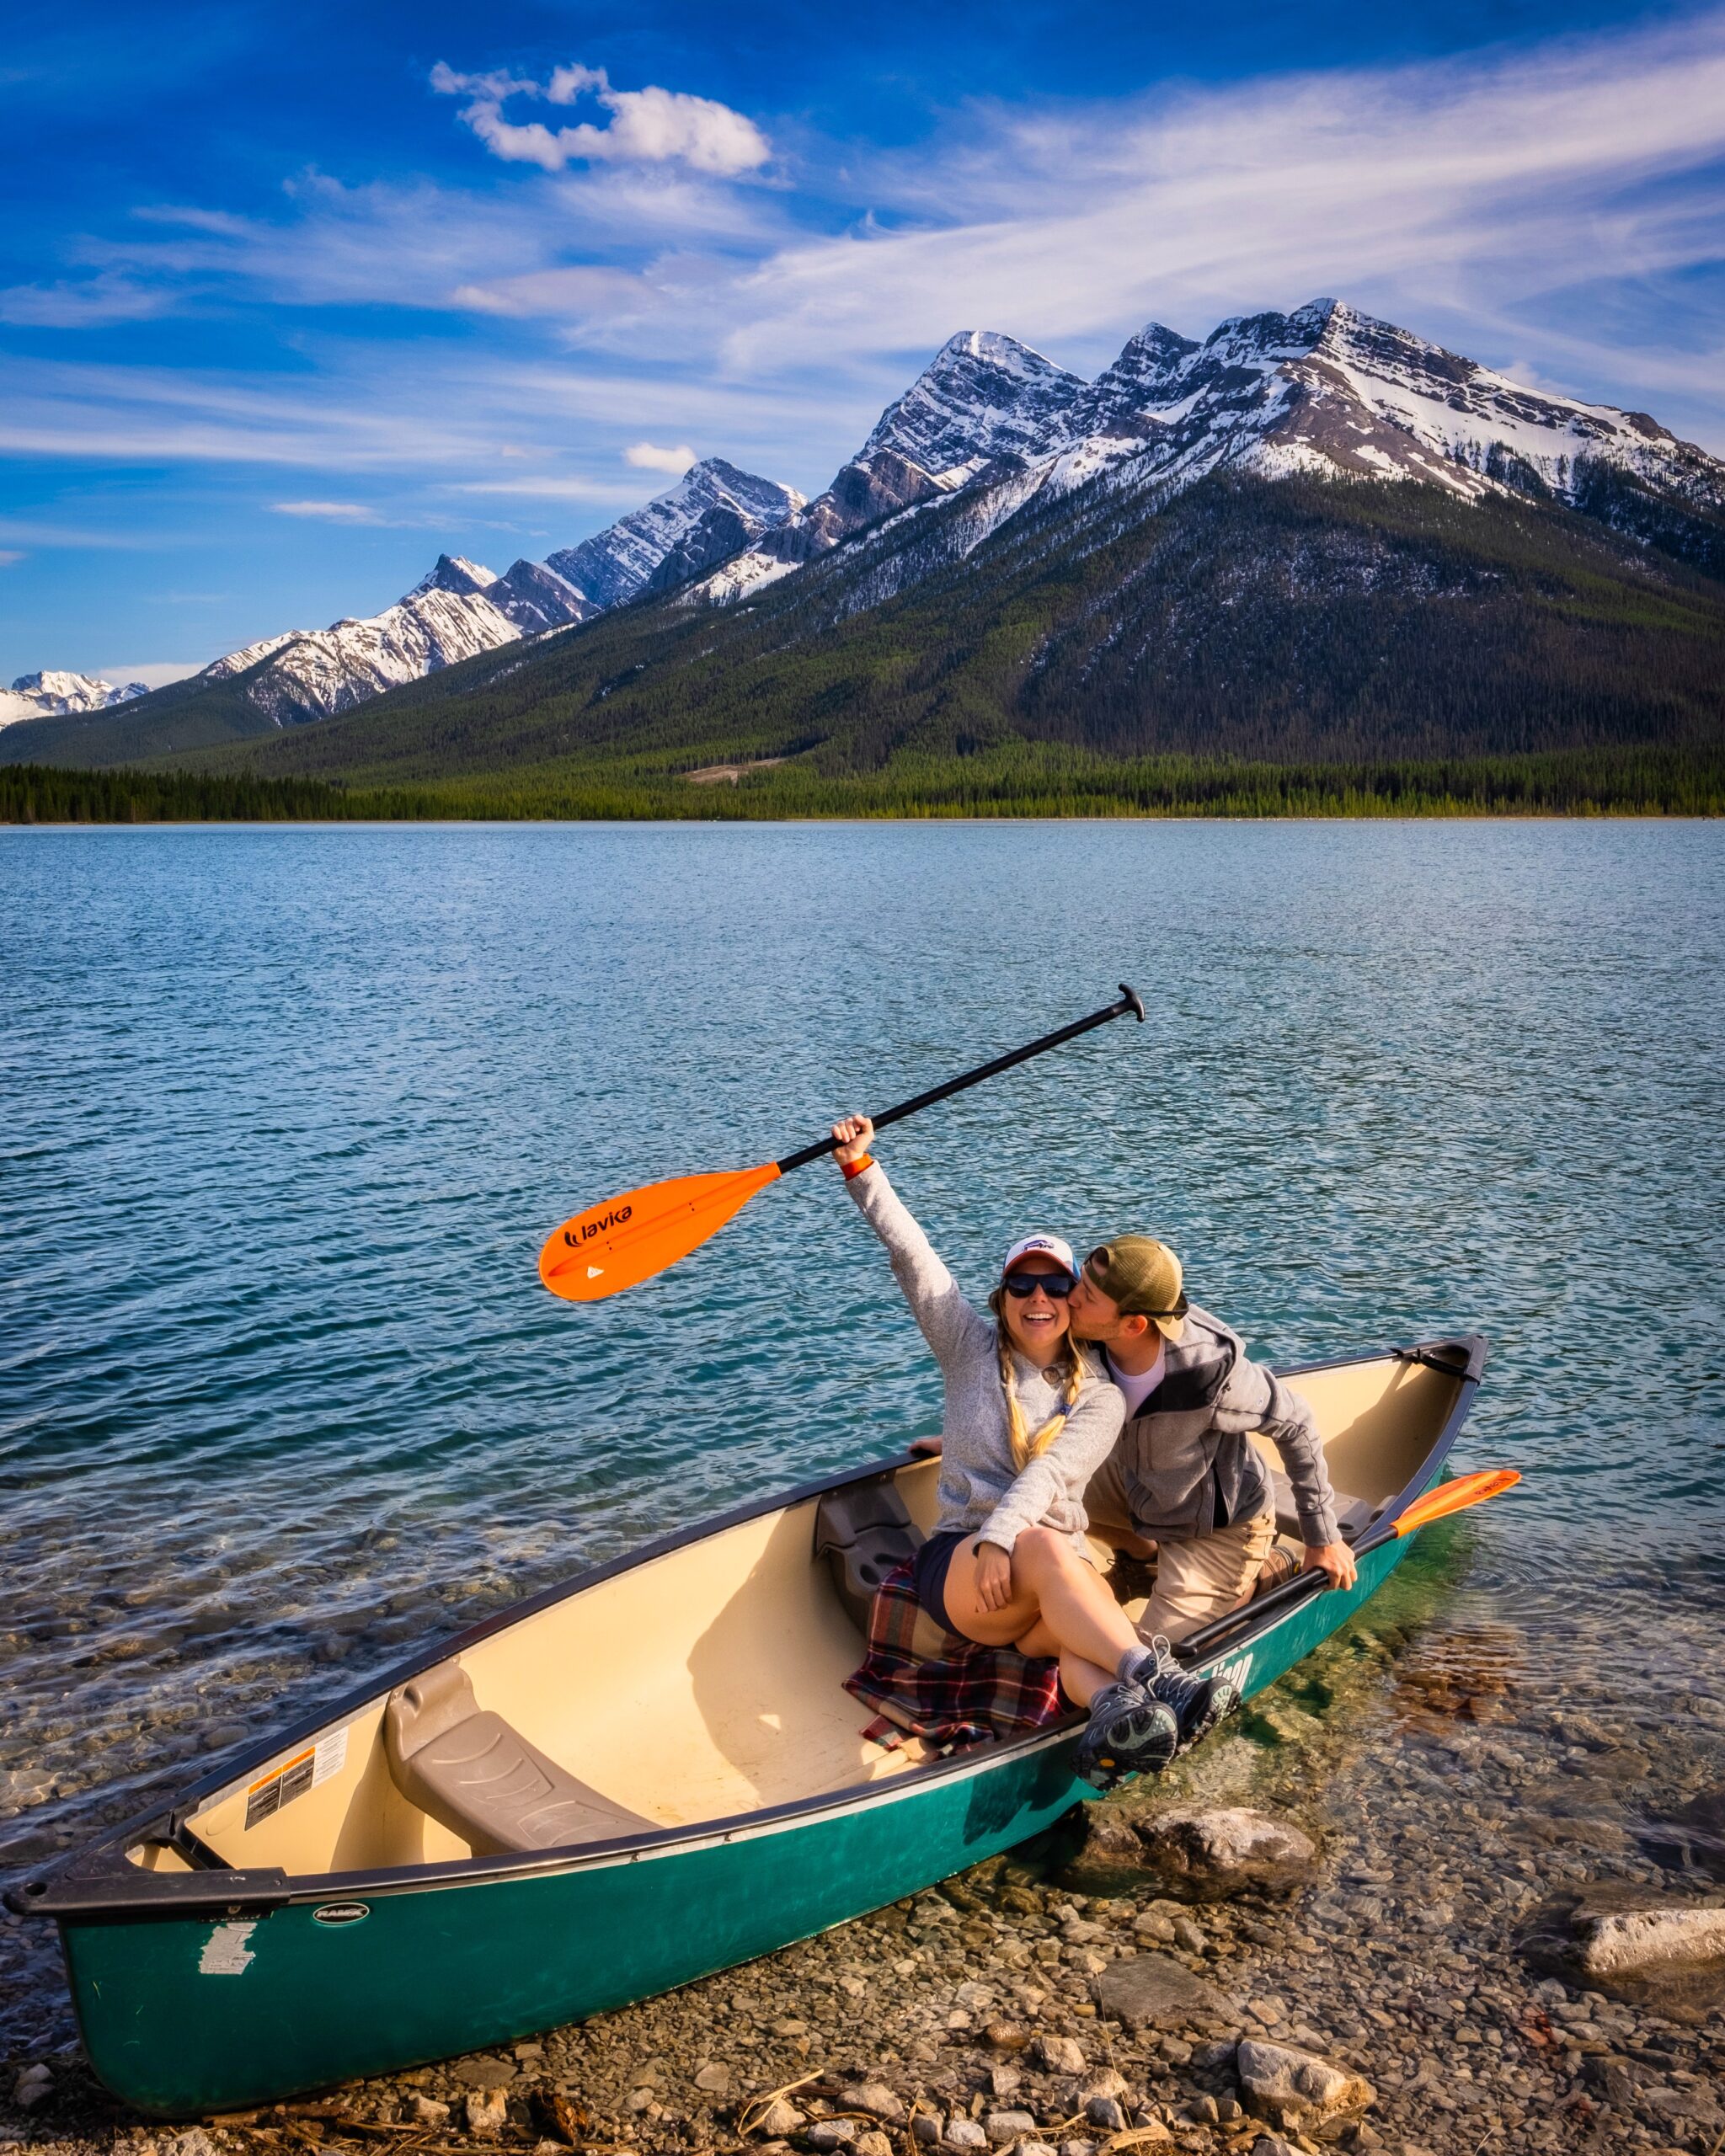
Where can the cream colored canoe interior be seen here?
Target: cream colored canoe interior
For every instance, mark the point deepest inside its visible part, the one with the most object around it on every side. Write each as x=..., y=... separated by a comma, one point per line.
x=703, y=1683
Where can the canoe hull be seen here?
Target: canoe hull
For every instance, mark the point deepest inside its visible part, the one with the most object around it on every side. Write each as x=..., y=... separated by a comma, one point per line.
x=194, y=2013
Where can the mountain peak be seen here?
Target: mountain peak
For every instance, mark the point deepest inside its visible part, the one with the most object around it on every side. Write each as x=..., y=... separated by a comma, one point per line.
x=617, y=565
x=453, y=572
x=52, y=693
x=983, y=395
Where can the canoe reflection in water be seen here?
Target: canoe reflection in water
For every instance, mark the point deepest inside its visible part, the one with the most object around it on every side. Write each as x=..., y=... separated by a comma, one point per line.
x=480, y=1848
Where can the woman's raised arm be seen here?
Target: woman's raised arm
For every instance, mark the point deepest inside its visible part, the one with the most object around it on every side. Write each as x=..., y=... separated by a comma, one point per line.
x=937, y=1302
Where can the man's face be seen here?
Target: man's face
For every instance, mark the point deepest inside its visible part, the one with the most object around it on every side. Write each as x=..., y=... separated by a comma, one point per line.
x=1094, y=1315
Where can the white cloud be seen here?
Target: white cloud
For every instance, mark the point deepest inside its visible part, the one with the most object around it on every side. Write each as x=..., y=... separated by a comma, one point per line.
x=89, y=304
x=10, y=557
x=649, y=458
x=154, y=674
x=552, y=489
x=648, y=127
x=329, y=512
x=1454, y=184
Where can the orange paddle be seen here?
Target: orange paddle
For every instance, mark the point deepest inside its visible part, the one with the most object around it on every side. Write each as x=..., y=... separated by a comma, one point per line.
x=1448, y=1497
x=631, y=1237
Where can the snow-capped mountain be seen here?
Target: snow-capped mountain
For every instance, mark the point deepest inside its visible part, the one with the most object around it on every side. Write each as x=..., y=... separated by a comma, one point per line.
x=1325, y=392
x=311, y=673
x=461, y=608
x=51, y=695
x=1329, y=391
x=712, y=511
x=983, y=401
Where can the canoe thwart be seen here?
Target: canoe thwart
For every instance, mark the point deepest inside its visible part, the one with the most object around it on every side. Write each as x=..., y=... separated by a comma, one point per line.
x=481, y=1778
x=864, y=1531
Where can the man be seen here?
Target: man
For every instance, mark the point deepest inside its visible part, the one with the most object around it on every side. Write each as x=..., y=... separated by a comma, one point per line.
x=1184, y=1475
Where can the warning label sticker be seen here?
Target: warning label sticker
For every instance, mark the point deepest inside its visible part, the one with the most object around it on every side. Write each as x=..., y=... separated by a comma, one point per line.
x=295, y=1776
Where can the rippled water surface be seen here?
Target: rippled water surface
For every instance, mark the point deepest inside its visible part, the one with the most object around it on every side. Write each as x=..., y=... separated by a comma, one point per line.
x=287, y=1112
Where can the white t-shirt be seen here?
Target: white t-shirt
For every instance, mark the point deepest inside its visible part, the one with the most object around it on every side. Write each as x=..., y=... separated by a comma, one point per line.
x=1139, y=1388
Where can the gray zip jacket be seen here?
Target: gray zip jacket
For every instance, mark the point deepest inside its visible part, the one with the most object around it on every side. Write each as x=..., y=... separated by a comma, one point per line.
x=981, y=1491
x=1186, y=1458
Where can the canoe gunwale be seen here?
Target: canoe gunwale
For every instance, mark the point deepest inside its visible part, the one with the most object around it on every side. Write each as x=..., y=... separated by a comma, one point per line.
x=97, y=1881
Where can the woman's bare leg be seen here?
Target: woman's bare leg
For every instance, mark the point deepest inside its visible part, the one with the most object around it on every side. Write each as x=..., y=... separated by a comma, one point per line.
x=1057, y=1599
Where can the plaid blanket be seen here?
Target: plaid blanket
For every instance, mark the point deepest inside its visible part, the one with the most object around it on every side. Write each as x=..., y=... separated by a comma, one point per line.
x=924, y=1681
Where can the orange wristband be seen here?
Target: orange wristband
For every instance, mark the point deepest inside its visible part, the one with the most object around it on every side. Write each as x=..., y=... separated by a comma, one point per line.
x=852, y=1168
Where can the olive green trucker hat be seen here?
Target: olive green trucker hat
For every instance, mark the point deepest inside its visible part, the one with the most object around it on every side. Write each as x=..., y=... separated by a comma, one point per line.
x=1141, y=1277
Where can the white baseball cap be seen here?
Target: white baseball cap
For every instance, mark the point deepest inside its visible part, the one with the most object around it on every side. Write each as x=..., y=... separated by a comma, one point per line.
x=1040, y=1246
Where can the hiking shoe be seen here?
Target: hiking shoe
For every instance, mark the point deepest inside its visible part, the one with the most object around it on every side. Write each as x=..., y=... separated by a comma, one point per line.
x=1128, y=1734
x=1198, y=1703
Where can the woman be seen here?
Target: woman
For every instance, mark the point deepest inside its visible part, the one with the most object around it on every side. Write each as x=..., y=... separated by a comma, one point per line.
x=1027, y=1422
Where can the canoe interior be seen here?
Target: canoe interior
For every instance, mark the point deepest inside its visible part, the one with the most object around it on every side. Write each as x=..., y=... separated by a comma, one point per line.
x=705, y=1681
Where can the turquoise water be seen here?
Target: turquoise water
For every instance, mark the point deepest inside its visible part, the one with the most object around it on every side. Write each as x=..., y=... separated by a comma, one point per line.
x=288, y=1112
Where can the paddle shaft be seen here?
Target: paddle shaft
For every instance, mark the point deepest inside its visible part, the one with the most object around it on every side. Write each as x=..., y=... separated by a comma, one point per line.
x=1129, y=1000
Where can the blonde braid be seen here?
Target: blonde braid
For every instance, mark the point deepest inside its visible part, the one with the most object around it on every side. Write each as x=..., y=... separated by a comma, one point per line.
x=1027, y=1448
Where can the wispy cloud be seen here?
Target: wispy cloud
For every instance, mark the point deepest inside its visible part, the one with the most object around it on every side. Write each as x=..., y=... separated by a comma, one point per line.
x=330, y=512
x=551, y=488
x=646, y=126
x=1460, y=182
x=647, y=456
x=84, y=303
x=154, y=674
x=590, y=313
x=10, y=557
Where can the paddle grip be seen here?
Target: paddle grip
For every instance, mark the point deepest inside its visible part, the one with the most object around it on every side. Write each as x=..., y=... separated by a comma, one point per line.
x=1129, y=1000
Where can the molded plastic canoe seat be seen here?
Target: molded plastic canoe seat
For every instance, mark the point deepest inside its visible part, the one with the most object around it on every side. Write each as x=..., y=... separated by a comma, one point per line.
x=481, y=1780
x=1354, y=1515
x=863, y=1531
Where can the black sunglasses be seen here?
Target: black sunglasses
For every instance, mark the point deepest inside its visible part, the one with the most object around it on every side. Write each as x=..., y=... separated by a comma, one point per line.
x=1056, y=1285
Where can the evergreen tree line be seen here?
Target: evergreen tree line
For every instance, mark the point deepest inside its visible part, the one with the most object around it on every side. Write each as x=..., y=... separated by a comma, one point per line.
x=1017, y=779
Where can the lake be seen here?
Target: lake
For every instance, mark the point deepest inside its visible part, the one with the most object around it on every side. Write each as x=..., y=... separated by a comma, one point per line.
x=287, y=1112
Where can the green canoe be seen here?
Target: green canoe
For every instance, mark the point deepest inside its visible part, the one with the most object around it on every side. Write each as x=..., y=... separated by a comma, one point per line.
x=486, y=1844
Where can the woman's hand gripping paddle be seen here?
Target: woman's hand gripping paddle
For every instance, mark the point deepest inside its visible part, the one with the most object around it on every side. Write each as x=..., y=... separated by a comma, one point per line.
x=631, y=1237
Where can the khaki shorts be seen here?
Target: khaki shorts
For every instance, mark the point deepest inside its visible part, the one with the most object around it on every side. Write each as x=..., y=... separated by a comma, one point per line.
x=1196, y=1580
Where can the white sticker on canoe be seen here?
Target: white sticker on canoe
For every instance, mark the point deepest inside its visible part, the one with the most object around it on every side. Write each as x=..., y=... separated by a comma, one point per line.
x=330, y=1756
x=1236, y=1672
x=594, y=1271
x=225, y=1953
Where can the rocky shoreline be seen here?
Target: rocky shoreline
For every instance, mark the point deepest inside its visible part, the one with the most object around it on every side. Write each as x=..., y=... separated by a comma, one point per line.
x=1363, y=1917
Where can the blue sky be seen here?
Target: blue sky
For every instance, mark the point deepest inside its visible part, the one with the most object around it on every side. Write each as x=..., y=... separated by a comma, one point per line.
x=293, y=298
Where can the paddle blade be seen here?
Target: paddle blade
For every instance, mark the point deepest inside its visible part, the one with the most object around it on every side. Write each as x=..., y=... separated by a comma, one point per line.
x=1456, y=1496
x=629, y=1238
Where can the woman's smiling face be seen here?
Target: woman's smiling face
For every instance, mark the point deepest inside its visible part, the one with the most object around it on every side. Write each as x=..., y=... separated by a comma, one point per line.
x=1036, y=1323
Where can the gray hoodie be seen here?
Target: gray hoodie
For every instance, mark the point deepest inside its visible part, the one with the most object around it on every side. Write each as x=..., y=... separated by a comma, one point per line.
x=981, y=1491
x=1186, y=1458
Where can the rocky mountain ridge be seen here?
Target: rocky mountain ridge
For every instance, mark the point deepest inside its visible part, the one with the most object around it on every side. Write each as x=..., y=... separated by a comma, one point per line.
x=53, y=695
x=1325, y=392
x=461, y=608
x=993, y=438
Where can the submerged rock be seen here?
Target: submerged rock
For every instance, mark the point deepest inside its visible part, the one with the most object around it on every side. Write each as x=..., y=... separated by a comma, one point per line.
x=1693, y=1837
x=1297, y=2089
x=1611, y=1933
x=1208, y=1856
x=1150, y=1988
